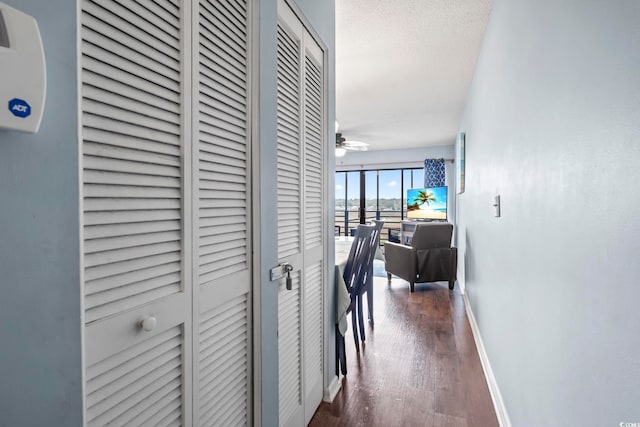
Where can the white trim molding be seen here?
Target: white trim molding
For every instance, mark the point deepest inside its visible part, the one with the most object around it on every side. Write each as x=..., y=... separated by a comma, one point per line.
x=494, y=390
x=331, y=392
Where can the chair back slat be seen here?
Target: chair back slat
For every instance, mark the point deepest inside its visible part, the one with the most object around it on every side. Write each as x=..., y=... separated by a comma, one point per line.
x=372, y=246
x=357, y=255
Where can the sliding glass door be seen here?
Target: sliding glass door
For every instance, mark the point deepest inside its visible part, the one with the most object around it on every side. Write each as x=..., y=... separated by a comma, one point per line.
x=362, y=196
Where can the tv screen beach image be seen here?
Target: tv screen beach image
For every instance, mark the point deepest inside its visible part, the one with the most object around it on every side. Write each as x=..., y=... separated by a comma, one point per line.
x=427, y=203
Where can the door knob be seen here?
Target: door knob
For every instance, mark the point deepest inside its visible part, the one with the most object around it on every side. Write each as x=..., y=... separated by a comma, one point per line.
x=148, y=324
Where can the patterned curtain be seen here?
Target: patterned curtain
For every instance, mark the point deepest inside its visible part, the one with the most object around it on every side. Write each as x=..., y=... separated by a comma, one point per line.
x=434, y=173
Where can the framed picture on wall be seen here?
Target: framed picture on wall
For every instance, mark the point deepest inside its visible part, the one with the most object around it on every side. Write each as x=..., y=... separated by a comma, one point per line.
x=460, y=162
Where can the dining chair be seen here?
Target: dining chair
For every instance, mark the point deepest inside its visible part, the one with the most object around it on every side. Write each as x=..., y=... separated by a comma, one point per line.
x=374, y=248
x=355, y=273
x=362, y=281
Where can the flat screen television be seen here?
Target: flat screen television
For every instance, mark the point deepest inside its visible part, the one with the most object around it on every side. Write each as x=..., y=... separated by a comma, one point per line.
x=427, y=204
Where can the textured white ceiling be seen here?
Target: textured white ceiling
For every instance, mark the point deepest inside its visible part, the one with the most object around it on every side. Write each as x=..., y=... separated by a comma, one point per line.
x=403, y=68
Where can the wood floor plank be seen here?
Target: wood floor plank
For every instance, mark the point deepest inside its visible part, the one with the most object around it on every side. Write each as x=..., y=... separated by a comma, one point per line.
x=418, y=367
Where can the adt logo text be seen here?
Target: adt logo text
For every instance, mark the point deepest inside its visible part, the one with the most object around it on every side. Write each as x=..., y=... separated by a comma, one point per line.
x=19, y=108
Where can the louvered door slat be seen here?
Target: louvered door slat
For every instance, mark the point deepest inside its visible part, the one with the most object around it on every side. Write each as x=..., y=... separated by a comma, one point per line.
x=161, y=10
x=171, y=6
x=137, y=276
x=127, y=27
x=125, y=191
x=120, y=178
x=228, y=31
x=113, y=166
x=96, y=48
x=135, y=17
x=234, y=80
x=223, y=362
x=132, y=41
x=132, y=126
x=118, y=272
x=153, y=17
x=289, y=335
x=228, y=125
x=126, y=114
x=130, y=241
x=313, y=155
x=289, y=190
x=313, y=316
x=166, y=403
x=97, y=149
x=223, y=138
x=130, y=229
x=132, y=130
x=115, y=383
x=119, y=139
x=124, y=103
x=224, y=214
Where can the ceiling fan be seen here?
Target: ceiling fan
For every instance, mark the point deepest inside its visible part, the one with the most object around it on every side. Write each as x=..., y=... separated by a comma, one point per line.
x=343, y=145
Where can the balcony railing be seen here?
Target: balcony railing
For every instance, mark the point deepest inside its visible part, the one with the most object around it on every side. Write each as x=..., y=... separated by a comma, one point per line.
x=349, y=220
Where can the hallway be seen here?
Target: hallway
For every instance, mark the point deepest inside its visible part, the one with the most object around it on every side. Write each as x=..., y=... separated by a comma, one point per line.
x=419, y=367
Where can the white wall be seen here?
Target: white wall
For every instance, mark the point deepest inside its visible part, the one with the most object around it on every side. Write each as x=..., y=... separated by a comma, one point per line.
x=552, y=124
x=40, y=350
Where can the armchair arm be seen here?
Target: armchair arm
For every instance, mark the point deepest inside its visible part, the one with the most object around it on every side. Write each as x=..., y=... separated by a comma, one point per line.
x=401, y=260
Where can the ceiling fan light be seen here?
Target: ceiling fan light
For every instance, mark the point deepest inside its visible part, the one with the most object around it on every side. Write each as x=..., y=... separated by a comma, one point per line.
x=340, y=151
x=356, y=145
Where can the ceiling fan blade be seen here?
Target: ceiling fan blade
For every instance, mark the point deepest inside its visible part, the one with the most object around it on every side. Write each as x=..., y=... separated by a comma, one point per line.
x=356, y=145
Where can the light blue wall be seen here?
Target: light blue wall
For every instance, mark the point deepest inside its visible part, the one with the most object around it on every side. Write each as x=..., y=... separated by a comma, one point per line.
x=40, y=351
x=552, y=125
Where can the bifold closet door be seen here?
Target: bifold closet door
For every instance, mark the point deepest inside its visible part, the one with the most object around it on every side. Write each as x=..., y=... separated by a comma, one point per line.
x=166, y=146
x=222, y=167
x=137, y=298
x=301, y=234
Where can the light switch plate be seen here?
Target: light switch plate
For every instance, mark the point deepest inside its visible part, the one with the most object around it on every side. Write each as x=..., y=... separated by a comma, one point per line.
x=496, y=206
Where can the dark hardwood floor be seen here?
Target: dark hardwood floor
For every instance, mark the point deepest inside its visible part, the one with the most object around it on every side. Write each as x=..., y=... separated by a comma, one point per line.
x=419, y=366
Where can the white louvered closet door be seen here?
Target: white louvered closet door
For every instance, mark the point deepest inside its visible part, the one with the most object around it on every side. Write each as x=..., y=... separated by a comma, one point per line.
x=136, y=298
x=167, y=212
x=223, y=235
x=314, y=216
x=301, y=234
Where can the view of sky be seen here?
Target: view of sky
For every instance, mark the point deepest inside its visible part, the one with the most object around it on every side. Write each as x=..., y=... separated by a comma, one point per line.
x=390, y=183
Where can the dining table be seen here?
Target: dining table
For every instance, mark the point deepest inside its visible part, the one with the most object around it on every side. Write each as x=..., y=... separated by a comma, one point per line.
x=343, y=299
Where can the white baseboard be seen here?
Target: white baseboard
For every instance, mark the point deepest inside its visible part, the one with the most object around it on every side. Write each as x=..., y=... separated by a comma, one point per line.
x=496, y=396
x=331, y=392
x=461, y=284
